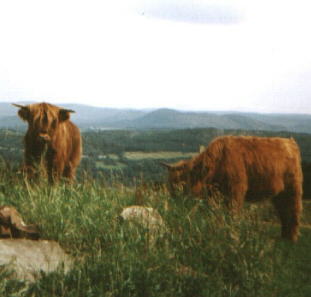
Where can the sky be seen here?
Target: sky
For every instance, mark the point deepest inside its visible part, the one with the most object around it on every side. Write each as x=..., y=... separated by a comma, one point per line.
x=237, y=55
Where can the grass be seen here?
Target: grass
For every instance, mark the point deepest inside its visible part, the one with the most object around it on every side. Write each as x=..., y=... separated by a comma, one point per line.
x=116, y=166
x=156, y=155
x=205, y=251
x=112, y=161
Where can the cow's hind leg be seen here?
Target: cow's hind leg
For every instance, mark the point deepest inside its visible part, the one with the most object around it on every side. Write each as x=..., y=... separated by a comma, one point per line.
x=289, y=206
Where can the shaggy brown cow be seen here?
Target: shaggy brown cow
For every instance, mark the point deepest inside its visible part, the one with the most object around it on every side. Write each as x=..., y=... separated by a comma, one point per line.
x=247, y=168
x=51, y=139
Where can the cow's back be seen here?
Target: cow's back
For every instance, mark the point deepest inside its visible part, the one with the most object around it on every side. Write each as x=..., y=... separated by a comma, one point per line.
x=264, y=166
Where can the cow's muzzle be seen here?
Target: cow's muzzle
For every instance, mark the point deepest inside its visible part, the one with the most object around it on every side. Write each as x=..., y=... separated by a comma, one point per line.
x=44, y=137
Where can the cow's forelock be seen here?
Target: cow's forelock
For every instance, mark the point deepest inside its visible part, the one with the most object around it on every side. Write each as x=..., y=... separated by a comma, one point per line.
x=43, y=120
x=44, y=117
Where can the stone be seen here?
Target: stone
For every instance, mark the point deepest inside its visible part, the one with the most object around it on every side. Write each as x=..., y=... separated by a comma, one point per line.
x=146, y=217
x=27, y=259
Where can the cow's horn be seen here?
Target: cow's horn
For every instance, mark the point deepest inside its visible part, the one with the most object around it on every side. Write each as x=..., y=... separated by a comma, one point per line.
x=66, y=110
x=19, y=105
x=166, y=165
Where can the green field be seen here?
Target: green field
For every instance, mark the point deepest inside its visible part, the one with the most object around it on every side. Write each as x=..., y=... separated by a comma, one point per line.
x=136, y=165
x=157, y=155
x=115, y=166
x=204, y=252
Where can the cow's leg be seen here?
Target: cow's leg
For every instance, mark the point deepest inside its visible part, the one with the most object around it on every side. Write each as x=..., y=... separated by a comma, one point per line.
x=69, y=172
x=31, y=166
x=289, y=206
x=29, y=172
x=235, y=197
x=55, y=169
x=50, y=171
x=53, y=175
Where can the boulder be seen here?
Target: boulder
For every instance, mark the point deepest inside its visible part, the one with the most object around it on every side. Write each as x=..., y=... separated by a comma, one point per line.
x=28, y=259
x=146, y=217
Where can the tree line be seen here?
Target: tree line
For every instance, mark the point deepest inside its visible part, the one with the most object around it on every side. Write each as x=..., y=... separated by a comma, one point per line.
x=104, y=150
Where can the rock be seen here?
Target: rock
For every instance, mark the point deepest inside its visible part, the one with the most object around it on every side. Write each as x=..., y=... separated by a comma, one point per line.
x=13, y=226
x=147, y=217
x=28, y=258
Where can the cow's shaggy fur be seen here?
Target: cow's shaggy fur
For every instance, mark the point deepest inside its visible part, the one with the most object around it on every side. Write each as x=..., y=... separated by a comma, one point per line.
x=247, y=168
x=51, y=140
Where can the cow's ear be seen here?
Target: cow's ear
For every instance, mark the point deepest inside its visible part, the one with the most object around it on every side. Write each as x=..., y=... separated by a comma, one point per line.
x=64, y=114
x=23, y=112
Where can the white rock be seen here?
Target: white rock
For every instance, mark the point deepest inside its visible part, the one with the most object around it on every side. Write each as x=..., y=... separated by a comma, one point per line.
x=146, y=216
x=28, y=258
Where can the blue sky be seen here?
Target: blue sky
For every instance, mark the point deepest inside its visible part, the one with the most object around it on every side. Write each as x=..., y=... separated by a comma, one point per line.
x=244, y=55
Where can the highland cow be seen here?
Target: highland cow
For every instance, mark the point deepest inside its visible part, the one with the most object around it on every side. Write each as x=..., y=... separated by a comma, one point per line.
x=246, y=168
x=52, y=141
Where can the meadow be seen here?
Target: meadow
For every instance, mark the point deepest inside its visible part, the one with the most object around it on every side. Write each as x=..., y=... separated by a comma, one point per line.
x=204, y=251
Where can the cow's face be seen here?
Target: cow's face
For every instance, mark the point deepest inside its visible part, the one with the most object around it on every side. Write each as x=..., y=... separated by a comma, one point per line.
x=43, y=119
x=186, y=177
x=178, y=177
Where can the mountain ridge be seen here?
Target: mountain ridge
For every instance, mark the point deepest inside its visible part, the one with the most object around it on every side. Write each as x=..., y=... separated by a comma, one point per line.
x=90, y=117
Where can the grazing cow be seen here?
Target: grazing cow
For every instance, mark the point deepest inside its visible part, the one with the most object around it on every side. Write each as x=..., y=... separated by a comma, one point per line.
x=52, y=140
x=247, y=168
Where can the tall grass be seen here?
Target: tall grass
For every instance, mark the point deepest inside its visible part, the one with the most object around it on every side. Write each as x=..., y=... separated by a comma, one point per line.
x=205, y=251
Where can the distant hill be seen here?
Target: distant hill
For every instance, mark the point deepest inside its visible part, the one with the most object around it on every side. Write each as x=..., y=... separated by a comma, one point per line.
x=97, y=117
x=168, y=118
x=89, y=117
x=292, y=122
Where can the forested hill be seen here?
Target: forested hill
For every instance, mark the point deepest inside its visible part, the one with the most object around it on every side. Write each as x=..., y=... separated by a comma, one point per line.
x=182, y=140
x=89, y=117
x=133, y=154
x=104, y=142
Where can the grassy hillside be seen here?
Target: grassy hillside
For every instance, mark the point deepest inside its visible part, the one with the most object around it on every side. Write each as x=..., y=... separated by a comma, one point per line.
x=205, y=251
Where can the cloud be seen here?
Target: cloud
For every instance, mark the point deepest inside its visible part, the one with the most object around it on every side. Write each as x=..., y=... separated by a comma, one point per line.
x=191, y=11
